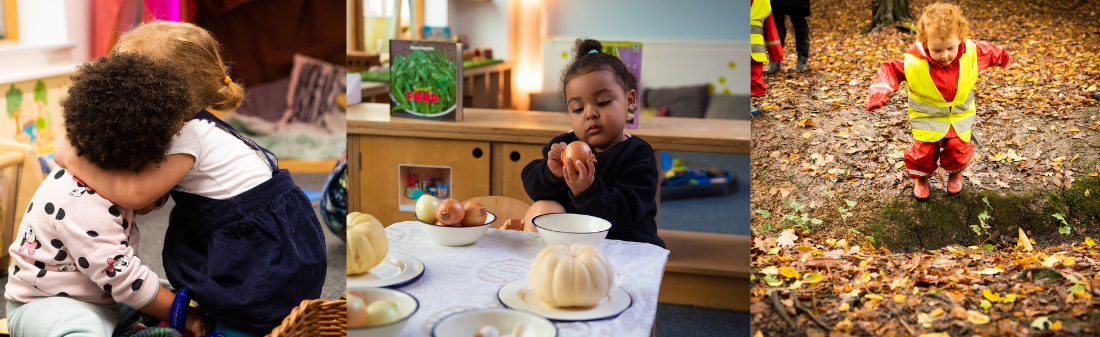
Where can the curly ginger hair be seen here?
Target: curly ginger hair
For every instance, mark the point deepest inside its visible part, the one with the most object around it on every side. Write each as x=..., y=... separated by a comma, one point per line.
x=942, y=21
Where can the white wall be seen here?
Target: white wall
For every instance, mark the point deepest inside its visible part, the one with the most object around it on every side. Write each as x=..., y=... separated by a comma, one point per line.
x=436, y=12
x=78, y=15
x=42, y=21
x=667, y=62
x=484, y=22
x=54, y=37
x=688, y=42
x=666, y=19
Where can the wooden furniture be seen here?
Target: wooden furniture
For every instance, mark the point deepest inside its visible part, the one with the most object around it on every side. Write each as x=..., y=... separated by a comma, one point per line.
x=360, y=61
x=503, y=207
x=706, y=269
x=488, y=87
x=9, y=21
x=311, y=166
x=488, y=149
x=20, y=163
x=376, y=92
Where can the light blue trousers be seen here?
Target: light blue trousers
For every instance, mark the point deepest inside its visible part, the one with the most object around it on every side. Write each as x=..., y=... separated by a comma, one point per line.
x=61, y=316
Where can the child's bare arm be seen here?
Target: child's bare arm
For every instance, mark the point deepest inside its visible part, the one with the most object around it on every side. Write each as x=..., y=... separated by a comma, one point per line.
x=124, y=188
x=890, y=75
x=161, y=308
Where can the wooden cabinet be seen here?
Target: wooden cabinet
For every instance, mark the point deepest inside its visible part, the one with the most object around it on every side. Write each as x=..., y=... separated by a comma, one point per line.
x=381, y=186
x=513, y=158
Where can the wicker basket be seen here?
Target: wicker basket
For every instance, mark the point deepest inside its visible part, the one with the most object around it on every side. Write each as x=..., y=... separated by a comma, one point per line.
x=314, y=318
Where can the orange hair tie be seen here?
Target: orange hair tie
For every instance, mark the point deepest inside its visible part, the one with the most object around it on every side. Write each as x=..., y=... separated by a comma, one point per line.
x=227, y=79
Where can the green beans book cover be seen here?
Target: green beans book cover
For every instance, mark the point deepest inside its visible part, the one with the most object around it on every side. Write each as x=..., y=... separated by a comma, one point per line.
x=424, y=80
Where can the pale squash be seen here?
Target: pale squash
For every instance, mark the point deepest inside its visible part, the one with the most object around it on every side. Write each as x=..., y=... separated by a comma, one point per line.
x=577, y=276
x=367, y=243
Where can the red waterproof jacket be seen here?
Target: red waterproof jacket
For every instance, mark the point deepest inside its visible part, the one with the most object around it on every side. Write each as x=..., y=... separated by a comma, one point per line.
x=891, y=73
x=771, y=40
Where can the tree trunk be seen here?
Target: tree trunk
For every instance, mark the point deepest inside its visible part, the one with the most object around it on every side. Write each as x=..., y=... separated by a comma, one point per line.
x=887, y=13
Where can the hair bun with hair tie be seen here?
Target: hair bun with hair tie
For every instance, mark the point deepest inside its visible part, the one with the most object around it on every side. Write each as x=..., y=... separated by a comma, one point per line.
x=593, y=51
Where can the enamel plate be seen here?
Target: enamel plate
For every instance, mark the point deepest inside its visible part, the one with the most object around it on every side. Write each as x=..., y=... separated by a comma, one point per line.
x=396, y=270
x=519, y=295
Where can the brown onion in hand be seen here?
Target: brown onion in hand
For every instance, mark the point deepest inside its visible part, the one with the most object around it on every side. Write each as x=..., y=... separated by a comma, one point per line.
x=450, y=213
x=575, y=151
x=475, y=214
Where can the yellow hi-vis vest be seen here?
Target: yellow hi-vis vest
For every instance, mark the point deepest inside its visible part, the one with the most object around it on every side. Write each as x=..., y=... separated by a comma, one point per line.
x=759, y=12
x=930, y=116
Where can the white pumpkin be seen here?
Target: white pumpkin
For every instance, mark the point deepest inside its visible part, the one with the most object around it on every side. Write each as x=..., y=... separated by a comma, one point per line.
x=367, y=243
x=577, y=276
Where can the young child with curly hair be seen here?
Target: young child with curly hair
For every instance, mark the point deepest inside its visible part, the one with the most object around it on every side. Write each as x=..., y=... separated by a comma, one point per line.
x=242, y=238
x=621, y=186
x=941, y=69
x=75, y=259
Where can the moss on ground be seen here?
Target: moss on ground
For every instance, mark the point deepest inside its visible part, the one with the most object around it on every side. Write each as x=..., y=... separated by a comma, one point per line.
x=909, y=225
x=1085, y=208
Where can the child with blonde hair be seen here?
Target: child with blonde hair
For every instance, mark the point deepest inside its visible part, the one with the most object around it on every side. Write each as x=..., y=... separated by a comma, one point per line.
x=242, y=238
x=941, y=69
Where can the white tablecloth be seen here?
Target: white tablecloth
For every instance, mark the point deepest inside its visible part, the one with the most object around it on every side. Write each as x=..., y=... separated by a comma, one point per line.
x=461, y=278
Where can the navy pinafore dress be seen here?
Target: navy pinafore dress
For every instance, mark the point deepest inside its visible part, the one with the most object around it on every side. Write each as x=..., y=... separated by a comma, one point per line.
x=250, y=259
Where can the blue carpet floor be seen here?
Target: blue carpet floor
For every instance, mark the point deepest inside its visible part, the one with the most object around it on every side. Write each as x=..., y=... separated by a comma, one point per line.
x=727, y=215
x=690, y=321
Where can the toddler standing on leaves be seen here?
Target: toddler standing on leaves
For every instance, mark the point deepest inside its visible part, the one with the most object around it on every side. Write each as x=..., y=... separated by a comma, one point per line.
x=941, y=69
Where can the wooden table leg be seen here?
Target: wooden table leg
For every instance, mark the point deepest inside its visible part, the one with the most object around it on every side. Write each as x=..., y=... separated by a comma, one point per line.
x=506, y=87
x=355, y=162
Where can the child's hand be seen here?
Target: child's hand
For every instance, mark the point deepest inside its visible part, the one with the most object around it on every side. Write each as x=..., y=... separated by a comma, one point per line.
x=62, y=150
x=553, y=160
x=873, y=103
x=877, y=98
x=198, y=323
x=579, y=175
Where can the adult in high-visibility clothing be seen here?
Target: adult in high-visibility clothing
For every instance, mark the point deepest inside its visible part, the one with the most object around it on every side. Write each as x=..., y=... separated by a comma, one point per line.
x=941, y=69
x=764, y=42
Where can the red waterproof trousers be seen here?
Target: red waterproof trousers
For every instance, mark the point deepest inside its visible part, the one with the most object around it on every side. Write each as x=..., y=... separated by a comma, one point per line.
x=951, y=153
x=756, y=71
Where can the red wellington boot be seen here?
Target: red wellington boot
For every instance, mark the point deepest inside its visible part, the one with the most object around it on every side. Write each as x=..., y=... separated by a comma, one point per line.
x=954, y=183
x=920, y=189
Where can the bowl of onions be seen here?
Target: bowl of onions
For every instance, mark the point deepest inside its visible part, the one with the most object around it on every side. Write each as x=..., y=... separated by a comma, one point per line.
x=567, y=229
x=455, y=224
x=379, y=312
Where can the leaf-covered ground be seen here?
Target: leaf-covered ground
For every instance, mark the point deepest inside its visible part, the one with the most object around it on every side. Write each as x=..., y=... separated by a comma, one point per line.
x=808, y=287
x=817, y=150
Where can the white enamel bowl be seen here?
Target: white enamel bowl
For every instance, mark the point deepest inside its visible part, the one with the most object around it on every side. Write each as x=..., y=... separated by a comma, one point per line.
x=456, y=235
x=407, y=305
x=567, y=229
x=465, y=324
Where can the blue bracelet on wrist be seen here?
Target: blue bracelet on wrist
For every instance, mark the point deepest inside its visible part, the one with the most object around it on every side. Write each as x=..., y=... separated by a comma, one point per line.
x=177, y=317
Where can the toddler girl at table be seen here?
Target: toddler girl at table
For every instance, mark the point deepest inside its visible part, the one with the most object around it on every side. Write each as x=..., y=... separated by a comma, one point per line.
x=242, y=238
x=621, y=185
x=941, y=68
x=74, y=260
